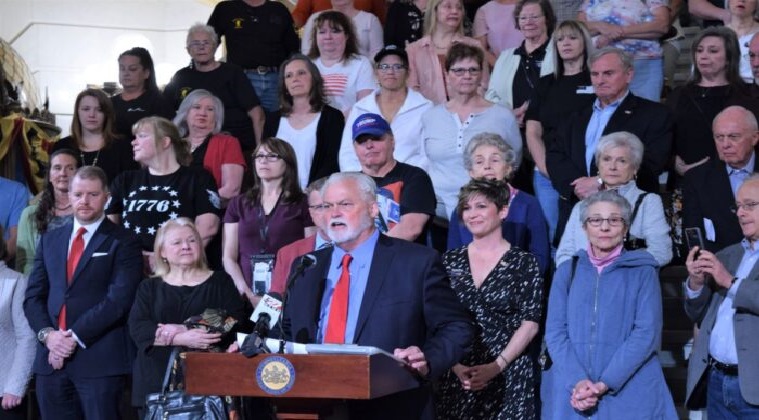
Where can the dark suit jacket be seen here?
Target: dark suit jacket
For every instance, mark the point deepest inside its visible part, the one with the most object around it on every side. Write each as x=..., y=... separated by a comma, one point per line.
x=408, y=302
x=97, y=301
x=707, y=194
x=703, y=310
x=648, y=120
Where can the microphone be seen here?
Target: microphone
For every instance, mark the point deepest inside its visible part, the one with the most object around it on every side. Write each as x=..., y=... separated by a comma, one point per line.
x=267, y=313
x=304, y=263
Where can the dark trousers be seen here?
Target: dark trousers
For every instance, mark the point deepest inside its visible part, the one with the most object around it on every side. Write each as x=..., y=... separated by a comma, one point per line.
x=63, y=397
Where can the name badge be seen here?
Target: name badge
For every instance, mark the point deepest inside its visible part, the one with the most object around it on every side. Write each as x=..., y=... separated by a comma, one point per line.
x=585, y=90
x=261, y=266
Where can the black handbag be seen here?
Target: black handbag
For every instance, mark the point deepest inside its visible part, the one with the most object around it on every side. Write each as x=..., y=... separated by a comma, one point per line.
x=173, y=403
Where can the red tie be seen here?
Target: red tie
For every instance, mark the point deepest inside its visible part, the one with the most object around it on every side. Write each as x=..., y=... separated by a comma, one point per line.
x=338, y=309
x=77, y=248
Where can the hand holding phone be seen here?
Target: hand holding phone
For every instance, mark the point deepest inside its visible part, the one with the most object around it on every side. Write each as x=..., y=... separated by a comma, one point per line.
x=694, y=238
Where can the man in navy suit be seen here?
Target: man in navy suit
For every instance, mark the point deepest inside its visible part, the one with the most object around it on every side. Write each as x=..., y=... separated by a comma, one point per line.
x=80, y=291
x=398, y=298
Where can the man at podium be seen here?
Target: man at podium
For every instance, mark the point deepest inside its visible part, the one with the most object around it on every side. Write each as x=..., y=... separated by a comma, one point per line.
x=373, y=290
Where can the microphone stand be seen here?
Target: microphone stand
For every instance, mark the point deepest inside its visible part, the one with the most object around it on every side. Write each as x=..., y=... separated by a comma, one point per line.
x=306, y=261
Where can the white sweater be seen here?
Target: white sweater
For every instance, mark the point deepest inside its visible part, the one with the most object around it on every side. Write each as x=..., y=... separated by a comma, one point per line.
x=18, y=343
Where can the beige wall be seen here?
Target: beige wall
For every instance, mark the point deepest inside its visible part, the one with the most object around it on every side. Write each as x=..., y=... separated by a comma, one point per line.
x=69, y=44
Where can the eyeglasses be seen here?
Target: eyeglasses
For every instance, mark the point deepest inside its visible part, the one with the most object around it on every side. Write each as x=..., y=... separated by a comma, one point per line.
x=459, y=71
x=317, y=207
x=342, y=206
x=746, y=206
x=530, y=18
x=199, y=44
x=271, y=157
x=386, y=68
x=614, y=221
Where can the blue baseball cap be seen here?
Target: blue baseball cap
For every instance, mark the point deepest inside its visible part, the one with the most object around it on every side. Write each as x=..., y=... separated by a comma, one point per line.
x=371, y=124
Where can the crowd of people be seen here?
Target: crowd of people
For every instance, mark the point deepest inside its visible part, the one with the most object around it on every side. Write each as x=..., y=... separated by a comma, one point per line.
x=457, y=217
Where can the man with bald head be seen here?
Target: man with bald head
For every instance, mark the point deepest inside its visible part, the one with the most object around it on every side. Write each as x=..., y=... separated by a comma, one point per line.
x=722, y=295
x=709, y=190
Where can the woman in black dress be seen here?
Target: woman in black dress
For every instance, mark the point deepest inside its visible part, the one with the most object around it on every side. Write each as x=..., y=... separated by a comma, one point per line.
x=502, y=287
x=183, y=287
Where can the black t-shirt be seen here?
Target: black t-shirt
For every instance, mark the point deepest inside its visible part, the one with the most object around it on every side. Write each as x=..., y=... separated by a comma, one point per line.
x=229, y=83
x=404, y=23
x=144, y=201
x=255, y=36
x=557, y=99
x=405, y=189
x=528, y=73
x=129, y=112
x=112, y=159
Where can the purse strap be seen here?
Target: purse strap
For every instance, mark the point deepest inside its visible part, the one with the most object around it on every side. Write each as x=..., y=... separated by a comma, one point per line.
x=638, y=202
x=169, y=368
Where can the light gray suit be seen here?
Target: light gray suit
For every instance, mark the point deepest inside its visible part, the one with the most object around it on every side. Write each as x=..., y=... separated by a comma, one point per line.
x=704, y=308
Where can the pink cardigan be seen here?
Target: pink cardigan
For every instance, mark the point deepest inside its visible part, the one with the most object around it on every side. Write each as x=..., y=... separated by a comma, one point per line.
x=426, y=73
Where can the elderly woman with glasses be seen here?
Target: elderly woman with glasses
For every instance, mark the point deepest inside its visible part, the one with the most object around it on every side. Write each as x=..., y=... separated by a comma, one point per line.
x=619, y=156
x=604, y=325
x=199, y=121
x=270, y=215
x=450, y=126
x=487, y=156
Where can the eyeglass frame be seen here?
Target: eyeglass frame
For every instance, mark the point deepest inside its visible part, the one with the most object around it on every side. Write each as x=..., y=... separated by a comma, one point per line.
x=271, y=157
x=618, y=221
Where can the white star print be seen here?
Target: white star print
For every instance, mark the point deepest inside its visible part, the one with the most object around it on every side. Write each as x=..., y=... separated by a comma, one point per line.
x=173, y=215
x=143, y=188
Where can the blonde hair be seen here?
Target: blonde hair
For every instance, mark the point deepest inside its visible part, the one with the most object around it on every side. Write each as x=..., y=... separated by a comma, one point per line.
x=162, y=267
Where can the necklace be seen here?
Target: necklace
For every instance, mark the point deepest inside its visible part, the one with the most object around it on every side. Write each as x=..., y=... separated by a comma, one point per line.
x=94, y=161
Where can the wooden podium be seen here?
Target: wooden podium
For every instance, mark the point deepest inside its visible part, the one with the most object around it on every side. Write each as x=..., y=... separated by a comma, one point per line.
x=317, y=383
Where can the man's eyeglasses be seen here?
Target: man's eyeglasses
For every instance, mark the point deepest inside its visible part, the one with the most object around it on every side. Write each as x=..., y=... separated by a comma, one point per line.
x=614, y=221
x=746, y=206
x=271, y=157
x=459, y=71
x=317, y=207
x=342, y=206
x=199, y=44
x=386, y=68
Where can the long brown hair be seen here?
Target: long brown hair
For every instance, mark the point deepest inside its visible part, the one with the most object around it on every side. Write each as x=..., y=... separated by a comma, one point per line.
x=291, y=191
x=335, y=20
x=316, y=97
x=44, y=211
x=104, y=102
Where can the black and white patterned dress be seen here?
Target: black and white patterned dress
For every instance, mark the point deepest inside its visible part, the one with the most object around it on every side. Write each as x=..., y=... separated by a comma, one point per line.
x=511, y=293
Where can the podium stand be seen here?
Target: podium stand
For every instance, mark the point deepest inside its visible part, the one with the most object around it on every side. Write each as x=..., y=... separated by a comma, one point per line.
x=317, y=383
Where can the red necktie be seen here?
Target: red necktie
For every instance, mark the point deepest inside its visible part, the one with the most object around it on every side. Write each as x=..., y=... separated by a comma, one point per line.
x=77, y=248
x=338, y=308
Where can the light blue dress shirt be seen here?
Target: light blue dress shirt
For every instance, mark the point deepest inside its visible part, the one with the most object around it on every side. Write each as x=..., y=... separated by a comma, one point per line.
x=722, y=339
x=738, y=175
x=359, y=276
x=598, y=121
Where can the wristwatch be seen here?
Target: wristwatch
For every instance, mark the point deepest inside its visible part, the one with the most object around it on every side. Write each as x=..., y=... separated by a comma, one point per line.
x=43, y=333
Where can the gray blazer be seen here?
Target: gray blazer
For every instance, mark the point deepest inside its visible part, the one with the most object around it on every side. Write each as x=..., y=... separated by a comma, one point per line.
x=17, y=341
x=704, y=308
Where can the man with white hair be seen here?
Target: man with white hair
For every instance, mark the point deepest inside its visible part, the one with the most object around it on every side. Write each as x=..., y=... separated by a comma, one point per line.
x=374, y=290
x=243, y=115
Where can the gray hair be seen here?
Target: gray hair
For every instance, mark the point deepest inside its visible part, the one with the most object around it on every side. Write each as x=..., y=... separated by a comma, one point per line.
x=748, y=117
x=606, y=196
x=366, y=186
x=624, y=56
x=184, y=109
x=202, y=27
x=621, y=139
x=490, y=139
x=315, y=185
